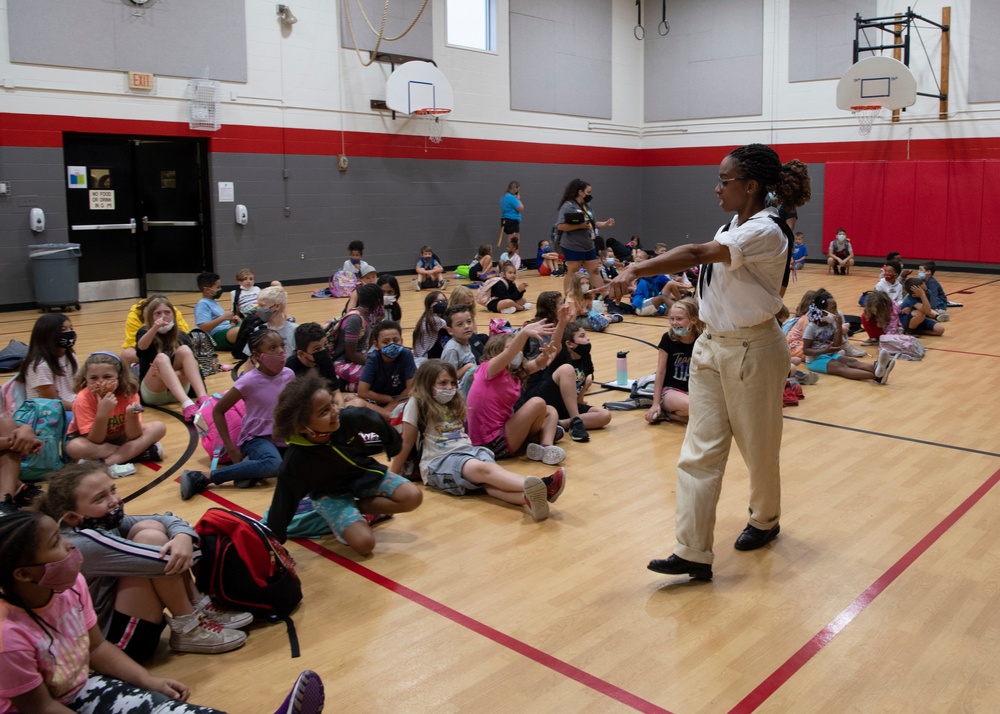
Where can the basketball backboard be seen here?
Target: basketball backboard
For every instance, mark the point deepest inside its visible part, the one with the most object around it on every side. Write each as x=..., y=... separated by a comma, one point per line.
x=415, y=86
x=877, y=80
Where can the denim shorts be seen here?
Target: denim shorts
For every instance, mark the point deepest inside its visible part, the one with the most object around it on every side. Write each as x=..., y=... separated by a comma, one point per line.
x=341, y=512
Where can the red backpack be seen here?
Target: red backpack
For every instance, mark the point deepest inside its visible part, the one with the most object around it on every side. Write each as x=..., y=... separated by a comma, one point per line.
x=244, y=567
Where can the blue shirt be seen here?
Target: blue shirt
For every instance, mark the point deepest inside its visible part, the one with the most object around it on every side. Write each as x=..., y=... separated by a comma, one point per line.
x=388, y=378
x=509, y=205
x=206, y=310
x=800, y=252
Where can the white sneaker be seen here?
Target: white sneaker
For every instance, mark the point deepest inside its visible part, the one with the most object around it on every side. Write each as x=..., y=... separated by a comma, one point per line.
x=884, y=379
x=943, y=316
x=883, y=359
x=416, y=284
x=508, y=311
x=206, y=637
x=550, y=455
x=232, y=619
x=528, y=305
x=119, y=470
x=536, y=498
x=852, y=351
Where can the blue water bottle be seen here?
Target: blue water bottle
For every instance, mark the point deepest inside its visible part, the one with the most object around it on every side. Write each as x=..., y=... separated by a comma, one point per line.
x=622, y=365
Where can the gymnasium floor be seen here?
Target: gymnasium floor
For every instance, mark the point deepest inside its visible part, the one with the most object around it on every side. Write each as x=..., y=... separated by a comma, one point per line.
x=882, y=593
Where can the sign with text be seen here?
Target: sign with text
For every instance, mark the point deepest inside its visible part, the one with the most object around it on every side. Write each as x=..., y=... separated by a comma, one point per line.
x=102, y=200
x=140, y=80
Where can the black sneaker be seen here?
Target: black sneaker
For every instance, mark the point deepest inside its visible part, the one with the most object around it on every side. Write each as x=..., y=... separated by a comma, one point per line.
x=193, y=483
x=26, y=495
x=577, y=431
x=153, y=453
x=8, y=506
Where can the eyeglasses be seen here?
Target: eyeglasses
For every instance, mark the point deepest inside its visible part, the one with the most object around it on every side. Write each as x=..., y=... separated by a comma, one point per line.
x=722, y=183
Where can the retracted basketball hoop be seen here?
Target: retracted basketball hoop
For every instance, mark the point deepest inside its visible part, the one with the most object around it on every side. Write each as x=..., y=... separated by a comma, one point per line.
x=866, y=114
x=434, y=120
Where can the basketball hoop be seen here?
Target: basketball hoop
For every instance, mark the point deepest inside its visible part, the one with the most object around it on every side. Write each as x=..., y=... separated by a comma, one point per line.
x=866, y=114
x=434, y=121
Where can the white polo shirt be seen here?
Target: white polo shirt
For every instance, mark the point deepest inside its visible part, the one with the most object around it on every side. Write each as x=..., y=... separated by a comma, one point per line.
x=745, y=291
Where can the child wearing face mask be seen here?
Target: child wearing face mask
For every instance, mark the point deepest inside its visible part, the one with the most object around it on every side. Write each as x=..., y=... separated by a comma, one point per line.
x=355, y=261
x=258, y=454
x=329, y=460
x=840, y=256
x=427, y=332
x=272, y=306
x=673, y=363
x=435, y=416
x=312, y=351
x=106, y=423
x=167, y=368
x=563, y=384
x=823, y=340
x=136, y=566
x=53, y=655
x=209, y=315
x=496, y=388
x=49, y=368
x=388, y=374
x=390, y=297
x=890, y=284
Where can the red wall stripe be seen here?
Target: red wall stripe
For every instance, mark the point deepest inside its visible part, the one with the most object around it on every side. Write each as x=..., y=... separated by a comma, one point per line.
x=29, y=130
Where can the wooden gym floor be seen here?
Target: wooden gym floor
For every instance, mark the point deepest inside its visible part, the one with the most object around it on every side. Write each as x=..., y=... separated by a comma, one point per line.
x=882, y=593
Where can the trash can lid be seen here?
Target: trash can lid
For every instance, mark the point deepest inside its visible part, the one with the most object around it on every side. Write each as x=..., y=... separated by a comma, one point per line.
x=41, y=249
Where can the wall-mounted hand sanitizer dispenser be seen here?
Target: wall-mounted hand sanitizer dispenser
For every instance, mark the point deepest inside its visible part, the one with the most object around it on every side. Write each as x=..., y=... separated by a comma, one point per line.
x=241, y=214
x=37, y=219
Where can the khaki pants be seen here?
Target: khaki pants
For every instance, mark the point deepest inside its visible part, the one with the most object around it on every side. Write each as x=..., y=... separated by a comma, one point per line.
x=736, y=384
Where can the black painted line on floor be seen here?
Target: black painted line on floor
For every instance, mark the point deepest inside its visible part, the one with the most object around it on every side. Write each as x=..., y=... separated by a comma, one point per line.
x=893, y=436
x=160, y=478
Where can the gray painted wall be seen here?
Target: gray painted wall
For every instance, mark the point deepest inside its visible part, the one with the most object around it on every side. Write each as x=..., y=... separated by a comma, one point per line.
x=709, y=65
x=984, y=52
x=179, y=38
x=821, y=37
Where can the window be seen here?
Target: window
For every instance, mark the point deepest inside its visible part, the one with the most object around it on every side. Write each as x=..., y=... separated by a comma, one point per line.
x=472, y=24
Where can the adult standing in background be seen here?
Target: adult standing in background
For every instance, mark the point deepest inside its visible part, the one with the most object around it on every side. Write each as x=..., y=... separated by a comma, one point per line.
x=577, y=228
x=511, y=209
x=740, y=361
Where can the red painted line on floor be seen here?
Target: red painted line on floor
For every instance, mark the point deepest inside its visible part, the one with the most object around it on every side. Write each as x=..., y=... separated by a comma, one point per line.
x=533, y=653
x=959, y=352
x=798, y=660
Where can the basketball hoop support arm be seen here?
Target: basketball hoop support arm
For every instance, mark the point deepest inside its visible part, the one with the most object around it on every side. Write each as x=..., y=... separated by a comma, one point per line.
x=894, y=25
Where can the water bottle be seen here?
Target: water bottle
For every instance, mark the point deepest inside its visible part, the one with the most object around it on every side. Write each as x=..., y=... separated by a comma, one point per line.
x=622, y=365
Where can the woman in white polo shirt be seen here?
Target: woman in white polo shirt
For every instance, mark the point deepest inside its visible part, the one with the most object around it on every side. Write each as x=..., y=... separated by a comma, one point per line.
x=740, y=361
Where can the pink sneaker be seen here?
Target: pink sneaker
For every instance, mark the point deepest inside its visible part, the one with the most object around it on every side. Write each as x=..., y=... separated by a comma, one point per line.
x=189, y=412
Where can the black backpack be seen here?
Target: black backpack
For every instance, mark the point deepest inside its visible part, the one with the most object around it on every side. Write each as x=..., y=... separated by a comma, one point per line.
x=203, y=348
x=244, y=567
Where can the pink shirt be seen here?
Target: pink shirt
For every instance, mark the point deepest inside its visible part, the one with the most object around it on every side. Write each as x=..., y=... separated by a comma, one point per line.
x=490, y=403
x=25, y=661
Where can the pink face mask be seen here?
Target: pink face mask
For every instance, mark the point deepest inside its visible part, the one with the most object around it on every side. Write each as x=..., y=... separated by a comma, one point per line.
x=102, y=387
x=272, y=362
x=61, y=575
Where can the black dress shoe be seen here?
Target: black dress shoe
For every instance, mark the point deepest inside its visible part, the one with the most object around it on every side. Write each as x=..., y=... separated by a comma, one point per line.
x=752, y=538
x=678, y=566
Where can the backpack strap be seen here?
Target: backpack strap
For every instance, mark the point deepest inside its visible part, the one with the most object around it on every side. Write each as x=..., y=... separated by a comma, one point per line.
x=705, y=270
x=293, y=637
x=791, y=244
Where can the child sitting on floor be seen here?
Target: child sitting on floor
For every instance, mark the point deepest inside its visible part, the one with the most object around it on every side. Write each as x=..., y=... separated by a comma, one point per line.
x=328, y=460
x=136, y=566
x=427, y=331
x=673, y=363
x=824, y=338
x=209, y=316
x=388, y=374
x=506, y=296
x=429, y=271
x=448, y=460
x=916, y=314
x=547, y=261
x=879, y=317
x=106, y=424
x=482, y=268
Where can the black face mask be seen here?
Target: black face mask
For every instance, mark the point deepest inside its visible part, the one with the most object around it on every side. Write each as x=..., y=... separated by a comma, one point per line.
x=108, y=522
x=588, y=198
x=321, y=358
x=67, y=339
x=582, y=350
x=440, y=307
x=218, y=294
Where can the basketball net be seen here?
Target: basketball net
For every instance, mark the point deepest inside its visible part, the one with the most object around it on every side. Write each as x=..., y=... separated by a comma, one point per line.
x=434, y=120
x=866, y=114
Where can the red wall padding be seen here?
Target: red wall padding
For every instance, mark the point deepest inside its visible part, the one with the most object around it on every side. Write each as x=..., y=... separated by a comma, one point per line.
x=923, y=209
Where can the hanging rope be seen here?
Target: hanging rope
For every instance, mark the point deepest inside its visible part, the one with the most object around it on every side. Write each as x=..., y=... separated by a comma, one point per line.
x=380, y=33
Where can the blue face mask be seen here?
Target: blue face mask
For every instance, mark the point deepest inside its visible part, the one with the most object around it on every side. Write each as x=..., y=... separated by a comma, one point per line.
x=392, y=351
x=609, y=261
x=922, y=276
x=680, y=331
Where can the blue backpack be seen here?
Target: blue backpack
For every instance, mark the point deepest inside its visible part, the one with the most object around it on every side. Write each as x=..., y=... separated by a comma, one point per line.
x=48, y=419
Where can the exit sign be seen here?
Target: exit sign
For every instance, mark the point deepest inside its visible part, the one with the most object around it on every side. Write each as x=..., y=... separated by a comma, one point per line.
x=140, y=80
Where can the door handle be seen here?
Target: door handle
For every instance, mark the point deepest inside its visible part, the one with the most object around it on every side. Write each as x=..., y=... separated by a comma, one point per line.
x=146, y=223
x=107, y=226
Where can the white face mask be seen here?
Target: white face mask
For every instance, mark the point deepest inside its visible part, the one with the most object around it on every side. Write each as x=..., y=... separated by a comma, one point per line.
x=516, y=361
x=165, y=329
x=443, y=396
x=388, y=299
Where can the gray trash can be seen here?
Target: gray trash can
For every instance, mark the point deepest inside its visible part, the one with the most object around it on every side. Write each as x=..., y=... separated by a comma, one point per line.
x=55, y=268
